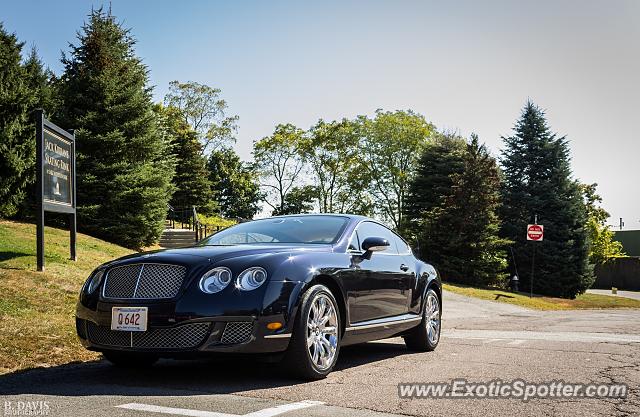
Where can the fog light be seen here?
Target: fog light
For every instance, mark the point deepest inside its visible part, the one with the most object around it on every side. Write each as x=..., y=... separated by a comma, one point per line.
x=274, y=326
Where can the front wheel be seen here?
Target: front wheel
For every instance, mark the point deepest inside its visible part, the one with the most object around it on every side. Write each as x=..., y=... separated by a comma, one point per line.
x=315, y=343
x=425, y=337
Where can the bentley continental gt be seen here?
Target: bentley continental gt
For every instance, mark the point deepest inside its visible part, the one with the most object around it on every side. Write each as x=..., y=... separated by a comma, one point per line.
x=294, y=287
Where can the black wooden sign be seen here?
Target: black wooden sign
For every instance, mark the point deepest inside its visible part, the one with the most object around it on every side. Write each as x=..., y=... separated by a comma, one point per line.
x=55, y=179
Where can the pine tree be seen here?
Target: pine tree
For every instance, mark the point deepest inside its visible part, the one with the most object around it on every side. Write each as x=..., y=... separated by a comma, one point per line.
x=191, y=180
x=234, y=185
x=538, y=180
x=123, y=169
x=23, y=87
x=452, y=213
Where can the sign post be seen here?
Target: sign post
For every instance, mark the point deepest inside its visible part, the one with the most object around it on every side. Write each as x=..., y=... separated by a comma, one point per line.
x=55, y=179
x=535, y=233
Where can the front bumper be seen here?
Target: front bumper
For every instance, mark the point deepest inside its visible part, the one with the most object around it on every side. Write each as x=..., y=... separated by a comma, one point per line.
x=175, y=328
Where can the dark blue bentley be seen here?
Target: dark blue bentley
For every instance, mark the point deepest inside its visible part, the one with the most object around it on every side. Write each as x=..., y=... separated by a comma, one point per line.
x=294, y=286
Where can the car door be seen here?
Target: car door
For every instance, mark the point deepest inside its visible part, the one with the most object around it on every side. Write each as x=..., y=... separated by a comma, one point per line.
x=381, y=285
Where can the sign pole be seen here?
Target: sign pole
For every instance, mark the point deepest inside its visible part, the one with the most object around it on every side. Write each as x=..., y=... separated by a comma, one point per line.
x=72, y=216
x=533, y=266
x=55, y=180
x=533, y=261
x=39, y=115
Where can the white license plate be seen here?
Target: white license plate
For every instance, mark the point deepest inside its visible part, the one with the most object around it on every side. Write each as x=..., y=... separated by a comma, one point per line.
x=130, y=319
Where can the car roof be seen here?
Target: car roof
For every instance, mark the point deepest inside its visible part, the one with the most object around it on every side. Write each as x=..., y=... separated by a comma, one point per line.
x=349, y=216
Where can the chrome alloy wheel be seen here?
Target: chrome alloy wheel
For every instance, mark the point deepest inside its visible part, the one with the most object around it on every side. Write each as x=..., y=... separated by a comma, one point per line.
x=432, y=317
x=322, y=332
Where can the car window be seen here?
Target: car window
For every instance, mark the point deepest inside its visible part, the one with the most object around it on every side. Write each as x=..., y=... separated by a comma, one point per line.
x=291, y=229
x=401, y=245
x=370, y=229
x=354, y=242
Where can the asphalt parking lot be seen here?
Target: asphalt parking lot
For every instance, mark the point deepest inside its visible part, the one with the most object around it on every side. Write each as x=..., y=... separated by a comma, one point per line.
x=481, y=341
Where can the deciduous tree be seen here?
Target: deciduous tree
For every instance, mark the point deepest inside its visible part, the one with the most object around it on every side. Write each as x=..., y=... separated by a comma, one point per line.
x=202, y=108
x=391, y=146
x=602, y=245
x=279, y=163
x=331, y=152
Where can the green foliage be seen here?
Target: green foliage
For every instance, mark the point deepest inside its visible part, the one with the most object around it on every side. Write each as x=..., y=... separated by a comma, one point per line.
x=298, y=200
x=537, y=180
x=330, y=150
x=23, y=87
x=233, y=185
x=202, y=108
x=603, y=247
x=454, y=225
x=278, y=163
x=391, y=145
x=191, y=180
x=124, y=167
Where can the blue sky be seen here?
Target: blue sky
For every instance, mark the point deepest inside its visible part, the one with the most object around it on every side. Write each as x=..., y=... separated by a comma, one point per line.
x=466, y=65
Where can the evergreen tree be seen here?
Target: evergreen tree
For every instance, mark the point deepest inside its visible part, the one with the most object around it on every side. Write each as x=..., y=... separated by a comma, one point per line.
x=123, y=167
x=234, y=185
x=537, y=180
x=191, y=180
x=23, y=87
x=453, y=211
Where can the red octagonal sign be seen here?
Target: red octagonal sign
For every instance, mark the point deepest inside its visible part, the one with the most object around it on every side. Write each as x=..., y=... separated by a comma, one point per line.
x=535, y=232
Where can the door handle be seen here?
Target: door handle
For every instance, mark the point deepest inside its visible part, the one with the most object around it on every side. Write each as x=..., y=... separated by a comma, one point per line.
x=404, y=268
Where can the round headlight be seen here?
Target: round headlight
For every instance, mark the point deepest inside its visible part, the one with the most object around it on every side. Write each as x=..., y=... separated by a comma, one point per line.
x=251, y=278
x=94, y=281
x=215, y=280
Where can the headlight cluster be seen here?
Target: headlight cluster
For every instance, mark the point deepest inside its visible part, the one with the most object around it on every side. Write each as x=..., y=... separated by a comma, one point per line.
x=217, y=279
x=94, y=281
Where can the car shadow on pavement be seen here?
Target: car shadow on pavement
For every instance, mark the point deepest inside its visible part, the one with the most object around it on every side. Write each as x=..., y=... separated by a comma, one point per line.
x=175, y=378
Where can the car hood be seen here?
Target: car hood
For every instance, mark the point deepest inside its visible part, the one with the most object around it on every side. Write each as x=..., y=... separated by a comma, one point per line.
x=217, y=253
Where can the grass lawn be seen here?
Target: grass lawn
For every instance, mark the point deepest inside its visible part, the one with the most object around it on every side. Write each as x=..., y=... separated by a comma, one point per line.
x=583, y=301
x=37, y=309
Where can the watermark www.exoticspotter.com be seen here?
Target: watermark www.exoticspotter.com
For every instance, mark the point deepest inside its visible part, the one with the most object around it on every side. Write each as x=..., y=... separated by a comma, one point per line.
x=26, y=408
x=518, y=389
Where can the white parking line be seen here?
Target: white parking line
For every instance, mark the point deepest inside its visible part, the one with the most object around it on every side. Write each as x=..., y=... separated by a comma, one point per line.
x=267, y=412
x=491, y=341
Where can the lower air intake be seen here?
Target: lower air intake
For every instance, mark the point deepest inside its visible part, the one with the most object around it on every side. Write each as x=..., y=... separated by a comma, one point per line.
x=185, y=336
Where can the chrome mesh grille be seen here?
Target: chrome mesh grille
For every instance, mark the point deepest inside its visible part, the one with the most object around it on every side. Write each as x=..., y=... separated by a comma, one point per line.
x=236, y=332
x=186, y=336
x=144, y=281
x=121, y=281
x=105, y=336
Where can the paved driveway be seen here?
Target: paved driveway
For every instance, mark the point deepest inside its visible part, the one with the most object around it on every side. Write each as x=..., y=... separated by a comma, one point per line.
x=482, y=341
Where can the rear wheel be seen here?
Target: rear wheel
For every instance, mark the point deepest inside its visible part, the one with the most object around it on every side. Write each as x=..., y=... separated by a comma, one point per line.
x=315, y=343
x=130, y=359
x=426, y=336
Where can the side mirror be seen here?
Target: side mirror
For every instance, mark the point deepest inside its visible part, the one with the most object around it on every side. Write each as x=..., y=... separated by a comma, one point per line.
x=375, y=244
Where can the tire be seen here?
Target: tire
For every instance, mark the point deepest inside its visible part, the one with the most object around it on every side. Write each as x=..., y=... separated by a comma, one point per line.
x=308, y=356
x=130, y=359
x=425, y=337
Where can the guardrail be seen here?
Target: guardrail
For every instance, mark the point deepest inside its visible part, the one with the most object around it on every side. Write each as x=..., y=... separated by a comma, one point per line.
x=187, y=217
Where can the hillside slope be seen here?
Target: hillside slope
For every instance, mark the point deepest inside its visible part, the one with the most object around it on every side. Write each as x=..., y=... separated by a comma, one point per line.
x=37, y=309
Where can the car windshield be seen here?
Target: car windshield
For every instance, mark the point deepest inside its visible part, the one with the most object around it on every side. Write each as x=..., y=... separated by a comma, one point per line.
x=294, y=229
